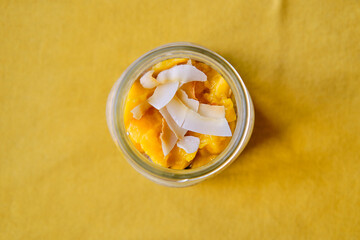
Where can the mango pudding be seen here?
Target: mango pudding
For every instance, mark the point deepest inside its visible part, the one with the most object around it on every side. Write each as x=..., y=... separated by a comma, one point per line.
x=180, y=113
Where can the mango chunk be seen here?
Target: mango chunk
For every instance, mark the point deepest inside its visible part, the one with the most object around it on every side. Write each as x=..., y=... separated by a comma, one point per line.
x=230, y=114
x=214, y=144
x=203, y=157
x=166, y=64
x=189, y=88
x=217, y=144
x=218, y=88
x=151, y=144
x=204, y=68
x=179, y=159
x=150, y=120
x=221, y=87
x=200, y=90
x=203, y=139
x=137, y=145
x=145, y=134
x=136, y=95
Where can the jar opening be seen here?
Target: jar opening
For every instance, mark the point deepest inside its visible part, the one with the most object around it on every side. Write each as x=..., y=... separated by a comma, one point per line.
x=243, y=104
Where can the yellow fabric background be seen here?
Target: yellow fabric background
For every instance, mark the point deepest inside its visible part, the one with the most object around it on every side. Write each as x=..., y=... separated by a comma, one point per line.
x=61, y=176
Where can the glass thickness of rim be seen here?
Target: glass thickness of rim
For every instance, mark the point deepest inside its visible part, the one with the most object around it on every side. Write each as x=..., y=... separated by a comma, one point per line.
x=172, y=177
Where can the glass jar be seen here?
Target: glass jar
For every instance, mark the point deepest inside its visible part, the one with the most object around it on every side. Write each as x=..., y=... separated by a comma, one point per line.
x=159, y=174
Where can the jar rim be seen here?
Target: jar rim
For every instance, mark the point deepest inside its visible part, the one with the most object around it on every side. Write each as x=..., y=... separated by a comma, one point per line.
x=116, y=101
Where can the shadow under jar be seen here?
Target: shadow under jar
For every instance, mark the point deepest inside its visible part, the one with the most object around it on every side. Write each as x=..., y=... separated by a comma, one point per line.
x=172, y=177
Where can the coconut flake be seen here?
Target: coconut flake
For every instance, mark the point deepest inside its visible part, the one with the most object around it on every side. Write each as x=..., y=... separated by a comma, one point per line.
x=189, y=143
x=181, y=73
x=163, y=94
x=179, y=131
x=148, y=81
x=140, y=109
x=177, y=110
x=211, y=111
x=190, y=103
x=205, y=125
x=167, y=137
x=189, y=62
